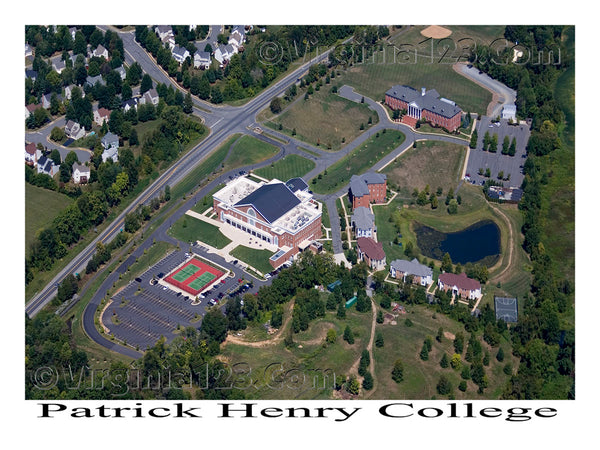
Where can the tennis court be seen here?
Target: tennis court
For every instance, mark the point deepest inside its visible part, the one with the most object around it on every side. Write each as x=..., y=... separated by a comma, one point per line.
x=194, y=276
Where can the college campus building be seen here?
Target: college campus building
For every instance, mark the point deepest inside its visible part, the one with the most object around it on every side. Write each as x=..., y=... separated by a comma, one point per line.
x=460, y=285
x=370, y=187
x=283, y=215
x=371, y=252
x=426, y=105
x=401, y=268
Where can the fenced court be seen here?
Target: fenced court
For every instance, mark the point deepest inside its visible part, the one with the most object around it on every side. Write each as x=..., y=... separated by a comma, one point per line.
x=193, y=276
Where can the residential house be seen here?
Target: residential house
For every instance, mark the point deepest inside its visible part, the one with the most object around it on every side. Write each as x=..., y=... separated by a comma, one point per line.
x=31, y=74
x=101, y=115
x=100, y=52
x=122, y=72
x=73, y=59
x=150, y=96
x=421, y=274
x=224, y=53
x=29, y=109
x=32, y=154
x=28, y=51
x=168, y=41
x=180, y=53
x=237, y=37
x=81, y=173
x=363, y=222
x=47, y=99
x=69, y=91
x=72, y=31
x=58, y=65
x=163, y=31
x=202, y=60
x=91, y=81
x=460, y=285
x=128, y=104
x=110, y=142
x=370, y=187
x=47, y=166
x=74, y=130
x=371, y=252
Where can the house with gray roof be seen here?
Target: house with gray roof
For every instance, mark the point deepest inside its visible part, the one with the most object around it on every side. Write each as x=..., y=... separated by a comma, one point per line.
x=28, y=51
x=128, y=104
x=122, y=72
x=224, y=53
x=110, y=142
x=100, y=52
x=58, y=65
x=180, y=53
x=363, y=222
x=74, y=130
x=202, y=60
x=421, y=274
x=31, y=74
x=47, y=99
x=91, y=81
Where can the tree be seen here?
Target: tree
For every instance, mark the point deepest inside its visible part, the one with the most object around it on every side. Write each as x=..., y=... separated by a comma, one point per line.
x=453, y=206
x=146, y=84
x=455, y=361
x=446, y=263
x=214, y=325
x=133, y=138
x=459, y=342
x=379, y=342
x=500, y=355
x=55, y=156
x=341, y=311
x=188, y=104
x=463, y=386
x=444, y=361
x=493, y=144
x=216, y=95
x=348, y=335
x=424, y=355
x=513, y=147
x=353, y=386
x=331, y=336
x=440, y=335
x=466, y=372
x=367, y=383
x=379, y=318
x=275, y=105
x=444, y=386
x=505, y=145
x=398, y=371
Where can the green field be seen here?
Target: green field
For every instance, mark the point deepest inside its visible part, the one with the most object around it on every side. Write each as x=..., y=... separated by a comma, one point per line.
x=248, y=150
x=325, y=119
x=41, y=207
x=190, y=229
x=185, y=273
x=259, y=259
x=289, y=167
x=356, y=162
x=202, y=280
x=433, y=163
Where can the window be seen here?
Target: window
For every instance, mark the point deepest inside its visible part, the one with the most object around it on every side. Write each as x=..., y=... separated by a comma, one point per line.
x=252, y=213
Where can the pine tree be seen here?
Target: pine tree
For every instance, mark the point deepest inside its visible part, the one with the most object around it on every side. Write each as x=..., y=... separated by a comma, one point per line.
x=341, y=311
x=500, y=355
x=424, y=355
x=444, y=361
x=379, y=339
x=348, y=335
x=398, y=371
x=473, y=143
x=367, y=383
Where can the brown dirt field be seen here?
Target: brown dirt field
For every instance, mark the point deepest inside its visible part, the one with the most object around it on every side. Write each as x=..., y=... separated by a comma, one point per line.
x=449, y=335
x=436, y=32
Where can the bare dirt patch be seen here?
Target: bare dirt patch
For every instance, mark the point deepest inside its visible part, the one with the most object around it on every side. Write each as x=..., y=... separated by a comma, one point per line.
x=449, y=335
x=436, y=32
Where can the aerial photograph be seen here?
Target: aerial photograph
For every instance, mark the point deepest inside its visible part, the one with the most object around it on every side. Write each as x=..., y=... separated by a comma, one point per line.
x=299, y=212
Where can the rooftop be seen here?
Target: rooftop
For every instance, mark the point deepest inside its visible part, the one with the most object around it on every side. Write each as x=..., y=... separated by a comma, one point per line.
x=363, y=218
x=271, y=201
x=296, y=184
x=413, y=267
x=428, y=100
x=371, y=248
x=461, y=281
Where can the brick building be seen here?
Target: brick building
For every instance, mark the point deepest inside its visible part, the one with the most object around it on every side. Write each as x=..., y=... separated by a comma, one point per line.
x=371, y=252
x=426, y=105
x=370, y=187
x=460, y=285
x=271, y=212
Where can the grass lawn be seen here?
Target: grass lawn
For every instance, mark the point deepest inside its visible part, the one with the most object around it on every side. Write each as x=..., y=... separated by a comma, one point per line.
x=259, y=259
x=433, y=163
x=358, y=161
x=208, y=166
x=400, y=66
x=190, y=229
x=41, y=207
x=421, y=377
x=249, y=150
x=325, y=119
x=289, y=167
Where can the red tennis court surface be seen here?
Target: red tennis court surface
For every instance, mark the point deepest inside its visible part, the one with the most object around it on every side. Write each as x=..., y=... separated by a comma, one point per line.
x=194, y=276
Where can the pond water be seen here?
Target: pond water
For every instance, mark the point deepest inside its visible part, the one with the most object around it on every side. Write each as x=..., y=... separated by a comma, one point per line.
x=479, y=243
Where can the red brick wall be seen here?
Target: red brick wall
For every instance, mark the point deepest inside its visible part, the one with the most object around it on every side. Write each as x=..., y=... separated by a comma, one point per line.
x=377, y=192
x=394, y=103
x=360, y=201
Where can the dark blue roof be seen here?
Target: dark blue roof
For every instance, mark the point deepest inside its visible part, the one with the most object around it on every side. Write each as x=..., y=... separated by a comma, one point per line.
x=296, y=184
x=271, y=201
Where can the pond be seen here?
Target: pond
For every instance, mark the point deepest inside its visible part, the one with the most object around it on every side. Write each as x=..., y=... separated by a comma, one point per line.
x=479, y=243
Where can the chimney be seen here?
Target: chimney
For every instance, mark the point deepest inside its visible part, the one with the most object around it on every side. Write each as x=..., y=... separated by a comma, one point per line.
x=422, y=91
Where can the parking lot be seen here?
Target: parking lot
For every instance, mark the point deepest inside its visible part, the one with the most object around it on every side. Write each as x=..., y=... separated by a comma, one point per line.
x=147, y=309
x=497, y=162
